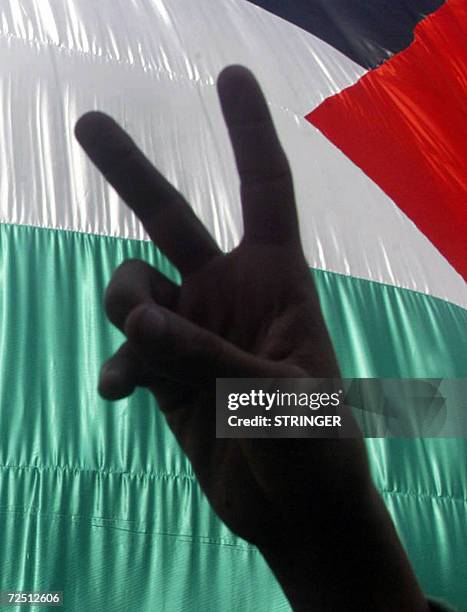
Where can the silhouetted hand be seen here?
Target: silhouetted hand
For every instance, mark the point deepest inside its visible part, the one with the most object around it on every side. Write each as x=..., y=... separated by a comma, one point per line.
x=251, y=313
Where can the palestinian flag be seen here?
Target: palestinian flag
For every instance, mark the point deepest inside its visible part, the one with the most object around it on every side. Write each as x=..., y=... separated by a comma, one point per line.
x=96, y=499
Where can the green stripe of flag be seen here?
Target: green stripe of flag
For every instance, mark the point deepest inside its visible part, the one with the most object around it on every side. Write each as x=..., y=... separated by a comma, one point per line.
x=94, y=494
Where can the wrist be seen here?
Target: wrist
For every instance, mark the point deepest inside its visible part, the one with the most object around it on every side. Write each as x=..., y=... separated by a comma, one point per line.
x=353, y=561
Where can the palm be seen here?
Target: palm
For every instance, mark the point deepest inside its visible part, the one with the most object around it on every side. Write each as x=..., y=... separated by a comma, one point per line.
x=215, y=298
x=274, y=327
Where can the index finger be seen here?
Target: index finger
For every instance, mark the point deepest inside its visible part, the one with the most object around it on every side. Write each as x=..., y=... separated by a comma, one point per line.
x=268, y=201
x=166, y=216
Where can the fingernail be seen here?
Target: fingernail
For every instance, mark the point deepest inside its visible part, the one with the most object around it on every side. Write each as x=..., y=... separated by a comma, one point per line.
x=112, y=383
x=108, y=370
x=109, y=376
x=150, y=320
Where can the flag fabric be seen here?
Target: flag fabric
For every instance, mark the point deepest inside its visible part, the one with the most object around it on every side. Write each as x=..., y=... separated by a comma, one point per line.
x=416, y=152
x=96, y=499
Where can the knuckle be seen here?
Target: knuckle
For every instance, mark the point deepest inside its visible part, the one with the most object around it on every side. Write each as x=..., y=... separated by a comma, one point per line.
x=210, y=353
x=131, y=268
x=116, y=305
x=126, y=290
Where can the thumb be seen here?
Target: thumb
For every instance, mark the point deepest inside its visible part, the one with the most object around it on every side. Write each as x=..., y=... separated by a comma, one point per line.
x=175, y=348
